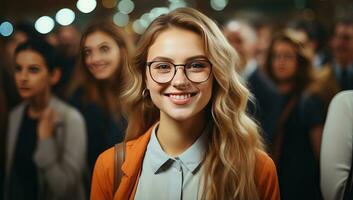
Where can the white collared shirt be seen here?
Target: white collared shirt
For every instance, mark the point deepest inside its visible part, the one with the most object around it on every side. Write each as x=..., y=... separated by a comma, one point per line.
x=171, y=178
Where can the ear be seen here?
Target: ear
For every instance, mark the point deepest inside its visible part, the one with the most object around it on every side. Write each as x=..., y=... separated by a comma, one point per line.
x=55, y=76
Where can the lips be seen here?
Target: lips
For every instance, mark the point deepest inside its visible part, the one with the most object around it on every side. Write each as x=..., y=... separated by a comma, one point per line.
x=24, y=88
x=98, y=67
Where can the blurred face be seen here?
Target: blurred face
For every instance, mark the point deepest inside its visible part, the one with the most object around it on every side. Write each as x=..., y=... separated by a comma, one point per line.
x=31, y=74
x=179, y=99
x=342, y=44
x=101, y=55
x=284, y=61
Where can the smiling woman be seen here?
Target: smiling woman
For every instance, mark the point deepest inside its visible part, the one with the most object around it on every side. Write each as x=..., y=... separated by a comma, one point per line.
x=188, y=131
x=96, y=85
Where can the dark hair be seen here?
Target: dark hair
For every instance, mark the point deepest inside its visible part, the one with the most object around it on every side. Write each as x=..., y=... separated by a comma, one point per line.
x=28, y=29
x=303, y=75
x=42, y=47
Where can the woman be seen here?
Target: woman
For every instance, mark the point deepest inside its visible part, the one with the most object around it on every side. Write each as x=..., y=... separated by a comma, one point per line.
x=96, y=86
x=188, y=132
x=296, y=144
x=46, y=141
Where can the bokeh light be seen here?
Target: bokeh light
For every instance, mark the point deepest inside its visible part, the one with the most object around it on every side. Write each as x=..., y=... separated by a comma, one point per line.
x=126, y=6
x=109, y=3
x=121, y=19
x=219, y=4
x=44, y=24
x=6, y=29
x=65, y=16
x=86, y=6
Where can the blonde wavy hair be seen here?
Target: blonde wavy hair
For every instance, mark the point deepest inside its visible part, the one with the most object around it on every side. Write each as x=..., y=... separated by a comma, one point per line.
x=231, y=155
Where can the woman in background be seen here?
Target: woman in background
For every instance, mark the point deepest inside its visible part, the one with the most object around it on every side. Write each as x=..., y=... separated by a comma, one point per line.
x=296, y=145
x=46, y=143
x=96, y=85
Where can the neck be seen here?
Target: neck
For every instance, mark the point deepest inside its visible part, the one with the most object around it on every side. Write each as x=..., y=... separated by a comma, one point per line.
x=285, y=87
x=38, y=104
x=177, y=136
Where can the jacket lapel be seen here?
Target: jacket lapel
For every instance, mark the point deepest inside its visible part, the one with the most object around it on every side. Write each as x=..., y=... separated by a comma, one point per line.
x=135, y=151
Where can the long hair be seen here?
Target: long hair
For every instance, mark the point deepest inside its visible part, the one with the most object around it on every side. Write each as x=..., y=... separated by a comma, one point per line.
x=82, y=78
x=234, y=141
x=304, y=74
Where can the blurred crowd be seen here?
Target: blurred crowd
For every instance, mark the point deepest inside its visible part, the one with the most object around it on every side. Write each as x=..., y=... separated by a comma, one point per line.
x=59, y=108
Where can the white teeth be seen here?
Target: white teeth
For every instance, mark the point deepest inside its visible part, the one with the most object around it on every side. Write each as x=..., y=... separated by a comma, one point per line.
x=179, y=97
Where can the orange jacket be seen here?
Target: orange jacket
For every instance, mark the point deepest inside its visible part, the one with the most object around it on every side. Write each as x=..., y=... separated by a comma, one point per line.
x=102, y=180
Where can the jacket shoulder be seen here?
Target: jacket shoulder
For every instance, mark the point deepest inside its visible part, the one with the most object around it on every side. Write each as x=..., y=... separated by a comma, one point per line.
x=266, y=177
x=103, y=173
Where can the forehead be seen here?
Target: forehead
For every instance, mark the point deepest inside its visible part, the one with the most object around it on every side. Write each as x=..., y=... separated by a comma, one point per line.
x=177, y=44
x=344, y=28
x=30, y=57
x=98, y=37
x=282, y=45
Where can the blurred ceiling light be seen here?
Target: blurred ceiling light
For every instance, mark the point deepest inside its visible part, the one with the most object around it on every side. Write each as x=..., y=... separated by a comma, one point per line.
x=44, y=24
x=156, y=12
x=65, y=16
x=6, y=29
x=233, y=26
x=109, y=3
x=86, y=6
x=177, y=4
x=120, y=19
x=126, y=6
x=219, y=4
x=145, y=20
x=137, y=27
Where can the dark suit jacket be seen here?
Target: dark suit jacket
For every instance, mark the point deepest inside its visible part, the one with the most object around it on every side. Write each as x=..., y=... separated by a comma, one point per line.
x=265, y=107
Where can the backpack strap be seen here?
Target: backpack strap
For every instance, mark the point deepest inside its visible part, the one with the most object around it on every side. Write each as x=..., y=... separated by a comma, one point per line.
x=119, y=158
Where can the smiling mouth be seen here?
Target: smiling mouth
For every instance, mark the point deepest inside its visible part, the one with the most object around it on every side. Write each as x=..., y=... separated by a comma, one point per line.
x=98, y=67
x=180, y=99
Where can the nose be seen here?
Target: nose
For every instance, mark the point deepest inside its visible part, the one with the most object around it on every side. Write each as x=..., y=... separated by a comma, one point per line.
x=180, y=79
x=23, y=76
x=95, y=58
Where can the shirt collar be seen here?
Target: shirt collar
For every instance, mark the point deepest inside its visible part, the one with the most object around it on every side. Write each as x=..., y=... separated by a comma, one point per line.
x=191, y=158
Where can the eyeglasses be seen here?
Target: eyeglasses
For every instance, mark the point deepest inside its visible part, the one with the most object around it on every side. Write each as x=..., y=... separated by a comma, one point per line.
x=196, y=71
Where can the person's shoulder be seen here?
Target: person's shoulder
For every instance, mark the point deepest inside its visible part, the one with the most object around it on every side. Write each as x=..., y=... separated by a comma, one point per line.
x=346, y=95
x=266, y=177
x=105, y=160
x=17, y=110
x=343, y=101
x=264, y=164
x=66, y=109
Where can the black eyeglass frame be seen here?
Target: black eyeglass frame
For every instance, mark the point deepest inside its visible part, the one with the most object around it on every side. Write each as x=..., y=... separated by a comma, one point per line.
x=175, y=70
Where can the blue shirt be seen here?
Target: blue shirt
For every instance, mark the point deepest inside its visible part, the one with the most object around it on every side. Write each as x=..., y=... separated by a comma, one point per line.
x=166, y=177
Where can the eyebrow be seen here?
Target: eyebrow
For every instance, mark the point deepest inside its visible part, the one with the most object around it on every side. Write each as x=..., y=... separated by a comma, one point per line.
x=161, y=58
x=99, y=45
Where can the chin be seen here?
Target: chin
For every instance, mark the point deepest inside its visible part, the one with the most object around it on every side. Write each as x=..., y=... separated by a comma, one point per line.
x=180, y=115
x=100, y=76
